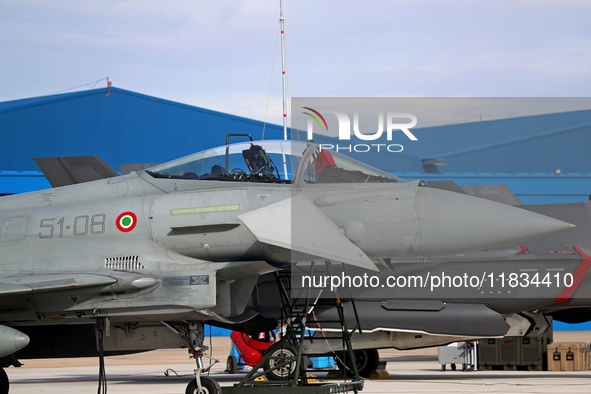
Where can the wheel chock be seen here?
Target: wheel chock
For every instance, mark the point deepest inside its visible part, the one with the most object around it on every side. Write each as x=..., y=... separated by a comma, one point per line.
x=311, y=378
x=379, y=374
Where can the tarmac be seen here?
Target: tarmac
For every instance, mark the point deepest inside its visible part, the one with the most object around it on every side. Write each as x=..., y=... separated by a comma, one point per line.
x=414, y=371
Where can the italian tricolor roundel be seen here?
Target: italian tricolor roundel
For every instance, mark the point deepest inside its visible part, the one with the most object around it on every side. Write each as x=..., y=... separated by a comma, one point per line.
x=126, y=221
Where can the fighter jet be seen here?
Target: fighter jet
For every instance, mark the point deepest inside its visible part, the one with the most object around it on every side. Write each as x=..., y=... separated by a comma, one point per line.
x=503, y=291
x=186, y=241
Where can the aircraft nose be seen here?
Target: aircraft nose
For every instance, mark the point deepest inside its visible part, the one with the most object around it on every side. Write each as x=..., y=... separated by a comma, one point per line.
x=11, y=340
x=453, y=223
x=21, y=340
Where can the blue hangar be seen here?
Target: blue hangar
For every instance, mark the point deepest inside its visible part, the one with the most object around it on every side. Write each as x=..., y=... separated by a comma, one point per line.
x=120, y=126
x=542, y=159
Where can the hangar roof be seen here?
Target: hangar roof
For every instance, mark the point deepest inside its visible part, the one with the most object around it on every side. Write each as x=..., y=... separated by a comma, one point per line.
x=124, y=127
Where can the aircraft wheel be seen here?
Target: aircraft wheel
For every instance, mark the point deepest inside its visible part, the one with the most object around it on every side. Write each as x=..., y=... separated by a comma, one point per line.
x=280, y=349
x=231, y=364
x=208, y=386
x=453, y=367
x=4, y=384
x=367, y=361
x=443, y=367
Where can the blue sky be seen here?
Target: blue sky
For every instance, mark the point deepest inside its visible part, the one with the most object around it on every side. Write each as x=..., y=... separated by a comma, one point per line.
x=219, y=55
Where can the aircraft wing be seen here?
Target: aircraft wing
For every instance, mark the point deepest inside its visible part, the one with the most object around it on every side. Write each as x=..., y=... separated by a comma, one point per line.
x=48, y=283
x=312, y=233
x=494, y=192
x=499, y=193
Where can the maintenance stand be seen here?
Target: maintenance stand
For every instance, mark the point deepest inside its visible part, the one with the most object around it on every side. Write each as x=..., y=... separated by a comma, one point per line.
x=282, y=364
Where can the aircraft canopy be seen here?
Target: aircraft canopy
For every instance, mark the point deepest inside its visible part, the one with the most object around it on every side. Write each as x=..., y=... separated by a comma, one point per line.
x=263, y=161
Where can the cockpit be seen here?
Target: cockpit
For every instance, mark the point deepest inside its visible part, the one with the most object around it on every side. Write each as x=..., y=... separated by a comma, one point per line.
x=271, y=162
x=257, y=161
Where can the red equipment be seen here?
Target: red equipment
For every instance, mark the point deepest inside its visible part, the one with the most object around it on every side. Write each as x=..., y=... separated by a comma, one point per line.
x=250, y=350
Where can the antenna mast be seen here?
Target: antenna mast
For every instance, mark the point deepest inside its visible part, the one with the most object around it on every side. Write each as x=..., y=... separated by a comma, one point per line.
x=283, y=71
x=284, y=86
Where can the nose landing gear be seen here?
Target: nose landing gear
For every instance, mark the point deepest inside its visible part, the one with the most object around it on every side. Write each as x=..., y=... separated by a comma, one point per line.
x=193, y=334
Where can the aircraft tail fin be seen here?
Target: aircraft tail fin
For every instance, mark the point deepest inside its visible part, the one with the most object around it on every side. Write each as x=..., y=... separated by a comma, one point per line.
x=70, y=170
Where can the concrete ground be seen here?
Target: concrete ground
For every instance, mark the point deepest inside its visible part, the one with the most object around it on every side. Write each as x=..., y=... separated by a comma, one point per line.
x=415, y=371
